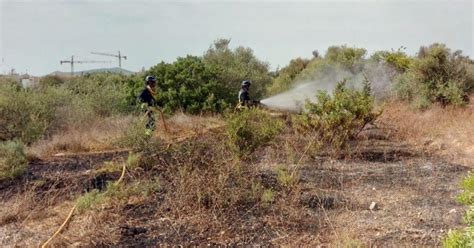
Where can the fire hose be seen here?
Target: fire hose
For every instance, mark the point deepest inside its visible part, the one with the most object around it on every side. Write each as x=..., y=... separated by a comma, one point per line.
x=162, y=117
x=71, y=212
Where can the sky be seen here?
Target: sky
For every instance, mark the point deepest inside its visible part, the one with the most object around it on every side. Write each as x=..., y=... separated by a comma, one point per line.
x=36, y=35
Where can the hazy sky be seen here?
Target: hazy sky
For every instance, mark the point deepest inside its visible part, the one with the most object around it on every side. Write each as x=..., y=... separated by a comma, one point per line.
x=36, y=35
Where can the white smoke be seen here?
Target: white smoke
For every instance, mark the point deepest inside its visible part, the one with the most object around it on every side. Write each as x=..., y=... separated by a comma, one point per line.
x=379, y=75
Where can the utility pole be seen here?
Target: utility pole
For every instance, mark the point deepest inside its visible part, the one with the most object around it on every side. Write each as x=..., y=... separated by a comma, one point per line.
x=72, y=62
x=119, y=56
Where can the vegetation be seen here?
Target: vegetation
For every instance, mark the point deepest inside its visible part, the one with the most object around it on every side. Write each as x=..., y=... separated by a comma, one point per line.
x=286, y=76
x=13, y=162
x=464, y=238
x=397, y=59
x=436, y=76
x=338, y=118
x=189, y=85
x=115, y=192
x=235, y=65
x=30, y=114
x=246, y=169
x=249, y=129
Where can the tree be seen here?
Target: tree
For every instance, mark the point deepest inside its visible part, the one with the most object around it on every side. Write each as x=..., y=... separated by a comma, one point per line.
x=348, y=57
x=190, y=85
x=234, y=66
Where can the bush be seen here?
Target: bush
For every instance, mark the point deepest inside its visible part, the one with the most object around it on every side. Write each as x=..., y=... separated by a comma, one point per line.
x=102, y=94
x=13, y=162
x=27, y=114
x=286, y=76
x=458, y=239
x=465, y=237
x=437, y=75
x=397, y=59
x=338, y=118
x=249, y=129
x=50, y=81
x=30, y=114
x=205, y=177
x=348, y=57
x=136, y=137
x=116, y=192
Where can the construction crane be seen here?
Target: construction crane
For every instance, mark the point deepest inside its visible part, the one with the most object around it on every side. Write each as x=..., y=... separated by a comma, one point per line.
x=119, y=56
x=72, y=62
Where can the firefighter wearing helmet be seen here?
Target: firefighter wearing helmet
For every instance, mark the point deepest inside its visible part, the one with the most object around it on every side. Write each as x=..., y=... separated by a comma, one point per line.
x=244, y=98
x=147, y=100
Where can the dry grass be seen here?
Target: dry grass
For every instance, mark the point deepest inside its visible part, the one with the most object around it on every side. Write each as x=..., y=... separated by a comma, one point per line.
x=101, y=135
x=287, y=195
x=182, y=126
x=447, y=131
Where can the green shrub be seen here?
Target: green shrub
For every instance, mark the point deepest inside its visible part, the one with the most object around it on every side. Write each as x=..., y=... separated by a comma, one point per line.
x=249, y=129
x=13, y=162
x=286, y=76
x=467, y=196
x=268, y=196
x=136, y=136
x=30, y=114
x=437, y=75
x=460, y=239
x=50, y=81
x=103, y=94
x=464, y=237
x=89, y=199
x=338, y=118
x=116, y=192
x=285, y=178
x=348, y=57
x=469, y=217
x=27, y=114
x=397, y=59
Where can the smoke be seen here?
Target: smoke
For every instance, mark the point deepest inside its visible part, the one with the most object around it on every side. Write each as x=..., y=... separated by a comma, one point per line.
x=325, y=79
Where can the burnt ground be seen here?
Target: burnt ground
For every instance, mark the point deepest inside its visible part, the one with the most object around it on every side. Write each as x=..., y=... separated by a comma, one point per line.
x=414, y=195
x=414, y=200
x=30, y=201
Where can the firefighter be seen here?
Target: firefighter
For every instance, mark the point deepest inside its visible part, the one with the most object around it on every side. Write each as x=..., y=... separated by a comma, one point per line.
x=147, y=100
x=244, y=98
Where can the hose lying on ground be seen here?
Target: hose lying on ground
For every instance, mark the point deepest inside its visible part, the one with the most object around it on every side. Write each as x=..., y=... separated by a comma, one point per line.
x=71, y=213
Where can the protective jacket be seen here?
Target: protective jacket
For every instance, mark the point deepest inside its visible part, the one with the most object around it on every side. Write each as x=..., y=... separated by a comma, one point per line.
x=146, y=97
x=244, y=98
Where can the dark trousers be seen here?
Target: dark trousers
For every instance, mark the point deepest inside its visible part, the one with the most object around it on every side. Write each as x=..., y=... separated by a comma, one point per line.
x=150, y=124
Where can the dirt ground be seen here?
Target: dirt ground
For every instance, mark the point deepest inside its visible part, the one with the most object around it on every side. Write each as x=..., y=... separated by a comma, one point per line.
x=413, y=192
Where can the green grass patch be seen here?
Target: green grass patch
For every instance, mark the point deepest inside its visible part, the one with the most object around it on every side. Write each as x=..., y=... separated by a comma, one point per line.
x=465, y=237
x=13, y=161
x=115, y=192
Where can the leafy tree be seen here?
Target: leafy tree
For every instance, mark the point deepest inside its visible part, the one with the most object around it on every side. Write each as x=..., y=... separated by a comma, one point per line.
x=234, y=66
x=348, y=57
x=189, y=84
